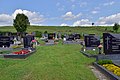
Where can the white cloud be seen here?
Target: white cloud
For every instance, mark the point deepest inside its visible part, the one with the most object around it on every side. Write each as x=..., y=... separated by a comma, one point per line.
x=72, y=0
x=97, y=8
x=95, y=12
x=5, y=19
x=34, y=17
x=109, y=20
x=58, y=4
x=83, y=4
x=71, y=16
x=109, y=3
x=82, y=22
x=63, y=24
x=61, y=8
x=73, y=6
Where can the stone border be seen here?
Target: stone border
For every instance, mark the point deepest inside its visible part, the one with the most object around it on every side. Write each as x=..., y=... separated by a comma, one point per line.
x=110, y=57
x=88, y=55
x=20, y=56
x=106, y=72
x=71, y=42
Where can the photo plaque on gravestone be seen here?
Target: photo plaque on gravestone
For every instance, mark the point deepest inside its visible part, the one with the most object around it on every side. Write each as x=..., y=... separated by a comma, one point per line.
x=111, y=43
x=92, y=40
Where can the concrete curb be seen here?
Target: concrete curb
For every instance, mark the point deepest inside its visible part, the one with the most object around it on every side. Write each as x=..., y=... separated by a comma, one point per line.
x=21, y=56
x=106, y=72
x=88, y=55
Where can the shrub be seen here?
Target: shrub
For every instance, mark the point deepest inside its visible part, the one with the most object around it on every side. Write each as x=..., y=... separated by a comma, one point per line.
x=16, y=46
x=116, y=27
x=5, y=52
x=38, y=34
x=101, y=62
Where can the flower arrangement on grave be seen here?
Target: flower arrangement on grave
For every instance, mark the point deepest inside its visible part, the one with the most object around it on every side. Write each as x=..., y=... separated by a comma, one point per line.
x=108, y=64
x=34, y=43
x=22, y=52
x=113, y=68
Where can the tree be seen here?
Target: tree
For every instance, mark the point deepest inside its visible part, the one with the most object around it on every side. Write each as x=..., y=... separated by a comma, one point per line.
x=93, y=24
x=45, y=32
x=116, y=27
x=21, y=22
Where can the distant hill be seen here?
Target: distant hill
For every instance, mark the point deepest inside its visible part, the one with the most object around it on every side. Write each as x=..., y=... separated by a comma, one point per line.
x=82, y=30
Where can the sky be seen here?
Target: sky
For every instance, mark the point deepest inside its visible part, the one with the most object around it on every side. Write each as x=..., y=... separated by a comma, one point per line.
x=61, y=12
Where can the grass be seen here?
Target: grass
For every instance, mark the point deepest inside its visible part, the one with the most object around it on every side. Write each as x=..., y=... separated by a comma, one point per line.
x=82, y=30
x=59, y=62
x=4, y=52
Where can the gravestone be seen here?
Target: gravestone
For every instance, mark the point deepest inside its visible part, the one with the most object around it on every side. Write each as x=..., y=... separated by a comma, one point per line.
x=77, y=36
x=70, y=37
x=45, y=35
x=11, y=39
x=27, y=41
x=59, y=35
x=111, y=43
x=56, y=36
x=34, y=33
x=92, y=40
x=51, y=36
x=5, y=41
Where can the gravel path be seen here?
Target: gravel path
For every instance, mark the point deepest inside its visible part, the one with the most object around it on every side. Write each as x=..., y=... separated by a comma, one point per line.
x=98, y=74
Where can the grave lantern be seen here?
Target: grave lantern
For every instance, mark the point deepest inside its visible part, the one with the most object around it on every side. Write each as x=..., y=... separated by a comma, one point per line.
x=100, y=48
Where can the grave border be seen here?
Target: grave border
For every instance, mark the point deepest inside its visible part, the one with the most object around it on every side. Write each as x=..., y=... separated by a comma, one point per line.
x=20, y=56
x=106, y=72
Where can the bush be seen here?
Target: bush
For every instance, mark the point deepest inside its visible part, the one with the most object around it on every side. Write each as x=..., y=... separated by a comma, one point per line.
x=101, y=62
x=38, y=34
x=62, y=36
x=5, y=52
x=116, y=27
x=16, y=46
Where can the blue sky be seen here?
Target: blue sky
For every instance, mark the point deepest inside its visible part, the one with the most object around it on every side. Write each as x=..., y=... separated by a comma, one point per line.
x=62, y=12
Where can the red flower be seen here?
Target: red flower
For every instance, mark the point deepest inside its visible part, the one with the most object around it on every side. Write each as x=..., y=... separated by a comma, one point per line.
x=22, y=52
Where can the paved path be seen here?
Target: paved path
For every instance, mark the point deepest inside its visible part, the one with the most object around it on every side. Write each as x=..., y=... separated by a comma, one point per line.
x=98, y=74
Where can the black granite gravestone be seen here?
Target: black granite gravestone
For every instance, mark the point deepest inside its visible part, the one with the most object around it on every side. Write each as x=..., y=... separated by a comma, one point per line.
x=11, y=39
x=27, y=41
x=92, y=40
x=111, y=43
x=51, y=35
x=70, y=37
x=77, y=36
x=5, y=41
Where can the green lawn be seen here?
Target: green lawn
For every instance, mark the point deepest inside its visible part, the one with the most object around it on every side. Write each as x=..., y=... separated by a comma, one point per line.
x=59, y=62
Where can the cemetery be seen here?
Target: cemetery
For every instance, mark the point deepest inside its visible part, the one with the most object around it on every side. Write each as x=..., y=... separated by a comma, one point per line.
x=108, y=59
x=60, y=40
x=71, y=38
x=58, y=53
x=11, y=46
x=90, y=45
x=101, y=51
